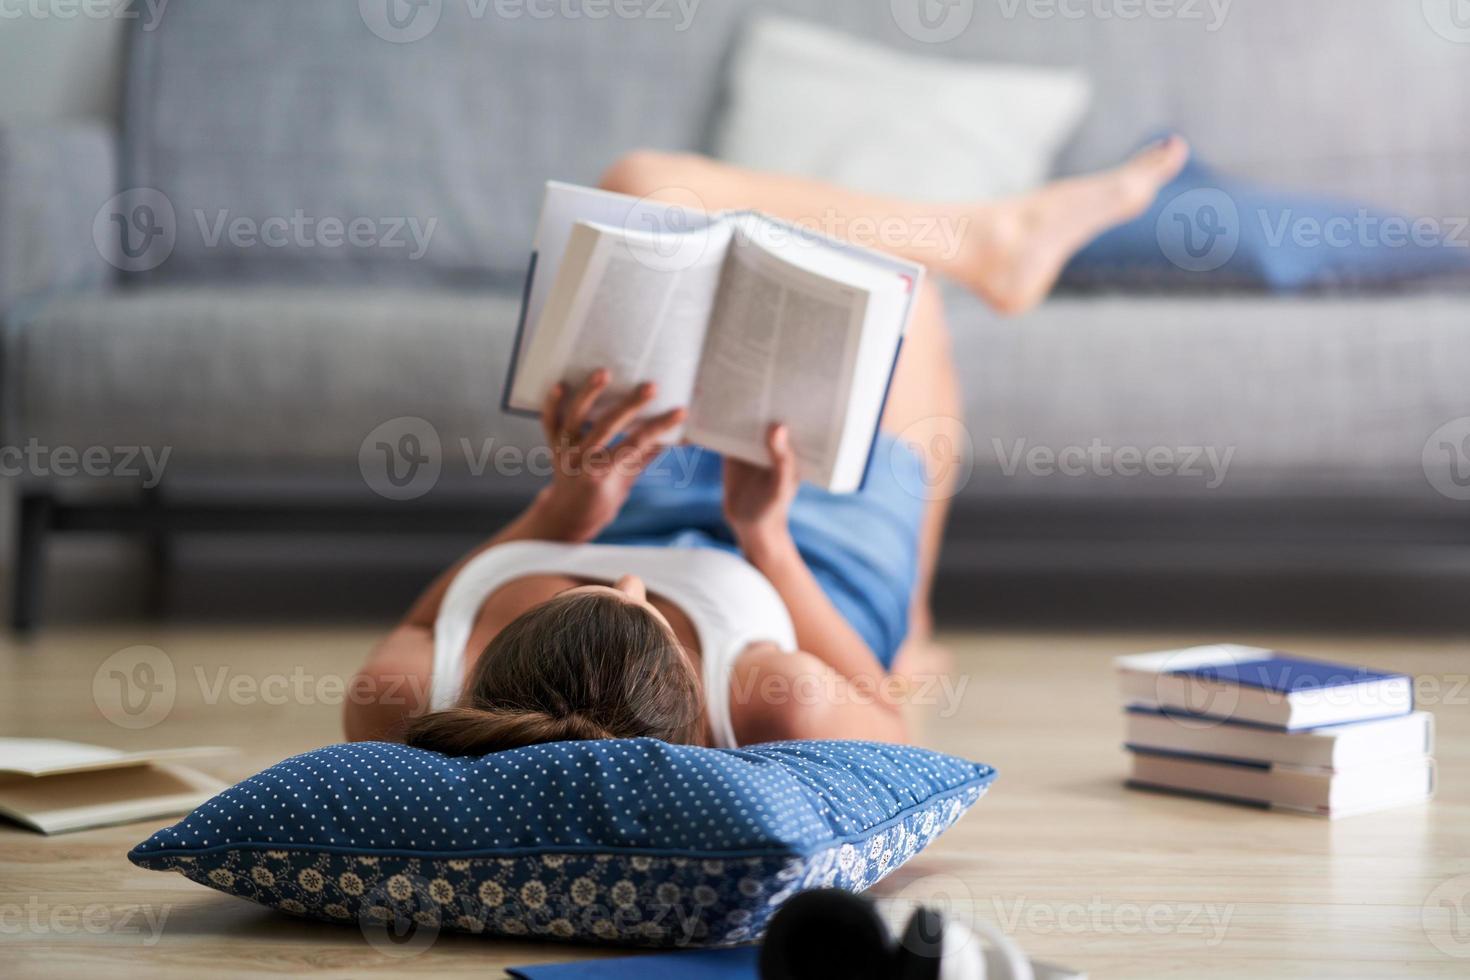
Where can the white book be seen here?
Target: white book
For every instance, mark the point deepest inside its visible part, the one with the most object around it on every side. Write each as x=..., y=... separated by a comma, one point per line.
x=1332, y=747
x=55, y=786
x=741, y=318
x=1322, y=792
x=1263, y=687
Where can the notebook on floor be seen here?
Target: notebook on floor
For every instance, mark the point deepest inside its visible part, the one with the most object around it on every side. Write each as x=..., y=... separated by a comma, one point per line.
x=56, y=786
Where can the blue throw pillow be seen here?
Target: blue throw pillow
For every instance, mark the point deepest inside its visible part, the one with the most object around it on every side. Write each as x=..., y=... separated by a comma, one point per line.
x=629, y=841
x=1209, y=231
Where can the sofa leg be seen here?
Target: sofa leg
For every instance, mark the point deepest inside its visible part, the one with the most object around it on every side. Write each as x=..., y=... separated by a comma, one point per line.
x=158, y=547
x=32, y=524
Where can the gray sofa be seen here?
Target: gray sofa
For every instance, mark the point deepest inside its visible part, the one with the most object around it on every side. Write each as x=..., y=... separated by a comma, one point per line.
x=262, y=354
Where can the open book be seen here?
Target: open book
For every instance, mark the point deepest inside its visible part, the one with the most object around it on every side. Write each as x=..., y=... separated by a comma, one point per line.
x=743, y=319
x=55, y=786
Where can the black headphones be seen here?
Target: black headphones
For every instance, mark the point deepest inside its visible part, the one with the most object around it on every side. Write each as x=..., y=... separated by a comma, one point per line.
x=829, y=932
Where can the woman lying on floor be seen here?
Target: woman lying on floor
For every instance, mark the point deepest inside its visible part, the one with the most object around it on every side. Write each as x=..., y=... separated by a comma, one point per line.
x=737, y=606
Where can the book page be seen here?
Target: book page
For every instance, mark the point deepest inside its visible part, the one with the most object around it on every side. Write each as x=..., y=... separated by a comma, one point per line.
x=49, y=756
x=780, y=348
x=635, y=304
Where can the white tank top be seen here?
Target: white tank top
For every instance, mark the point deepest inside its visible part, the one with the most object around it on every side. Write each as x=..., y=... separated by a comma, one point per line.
x=730, y=604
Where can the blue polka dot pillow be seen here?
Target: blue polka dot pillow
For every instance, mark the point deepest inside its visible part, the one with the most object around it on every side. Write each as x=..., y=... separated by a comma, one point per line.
x=630, y=841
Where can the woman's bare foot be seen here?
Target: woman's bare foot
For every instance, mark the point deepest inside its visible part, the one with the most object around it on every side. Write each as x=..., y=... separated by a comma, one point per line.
x=1016, y=251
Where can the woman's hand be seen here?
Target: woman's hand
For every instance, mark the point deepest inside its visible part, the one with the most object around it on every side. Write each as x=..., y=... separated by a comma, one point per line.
x=591, y=479
x=758, y=498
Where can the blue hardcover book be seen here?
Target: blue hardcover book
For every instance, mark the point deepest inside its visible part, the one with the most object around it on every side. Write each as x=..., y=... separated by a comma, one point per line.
x=1264, y=687
x=741, y=318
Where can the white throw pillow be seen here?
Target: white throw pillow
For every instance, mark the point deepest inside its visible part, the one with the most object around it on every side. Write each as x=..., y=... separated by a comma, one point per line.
x=813, y=102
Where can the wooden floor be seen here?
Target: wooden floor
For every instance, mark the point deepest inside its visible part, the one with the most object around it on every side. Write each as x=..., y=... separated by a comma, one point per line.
x=1078, y=869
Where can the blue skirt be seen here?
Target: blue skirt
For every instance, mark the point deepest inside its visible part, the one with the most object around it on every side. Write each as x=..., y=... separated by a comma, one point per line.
x=862, y=547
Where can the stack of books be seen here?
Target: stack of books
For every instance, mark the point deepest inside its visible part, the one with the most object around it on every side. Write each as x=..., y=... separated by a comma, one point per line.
x=1273, y=730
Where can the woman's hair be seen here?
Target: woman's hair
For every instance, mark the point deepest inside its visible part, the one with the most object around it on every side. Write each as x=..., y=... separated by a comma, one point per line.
x=583, y=666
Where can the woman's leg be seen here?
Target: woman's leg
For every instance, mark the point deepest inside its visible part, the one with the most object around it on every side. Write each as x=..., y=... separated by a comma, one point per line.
x=926, y=410
x=1009, y=252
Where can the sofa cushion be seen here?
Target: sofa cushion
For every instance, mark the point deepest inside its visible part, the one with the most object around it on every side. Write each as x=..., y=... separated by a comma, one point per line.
x=830, y=106
x=280, y=381
x=1322, y=395
x=298, y=119
x=54, y=178
x=631, y=841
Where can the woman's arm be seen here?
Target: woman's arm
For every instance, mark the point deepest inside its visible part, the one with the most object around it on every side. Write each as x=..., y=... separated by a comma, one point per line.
x=857, y=699
x=591, y=479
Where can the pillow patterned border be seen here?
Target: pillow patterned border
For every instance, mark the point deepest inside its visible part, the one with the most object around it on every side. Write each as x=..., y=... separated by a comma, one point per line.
x=629, y=899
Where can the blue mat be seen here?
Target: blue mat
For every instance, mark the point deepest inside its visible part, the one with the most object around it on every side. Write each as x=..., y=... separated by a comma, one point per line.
x=718, y=964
